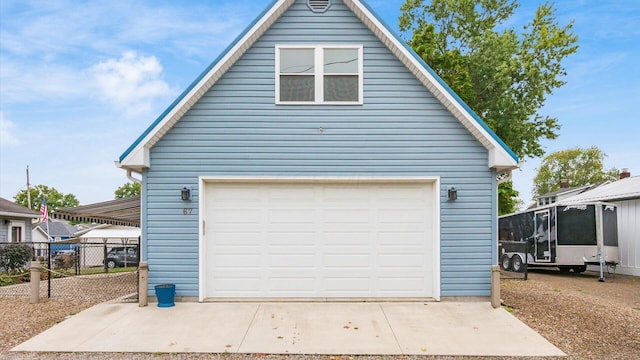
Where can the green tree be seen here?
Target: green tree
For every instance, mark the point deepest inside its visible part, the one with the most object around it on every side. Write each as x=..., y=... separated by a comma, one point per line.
x=578, y=166
x=55, y=199
x=505, y=75
x=509, y=203
x=128, y=190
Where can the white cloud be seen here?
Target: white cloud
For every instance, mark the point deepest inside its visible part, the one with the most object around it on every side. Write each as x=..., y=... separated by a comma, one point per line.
x=7, y=136
x=131, y=83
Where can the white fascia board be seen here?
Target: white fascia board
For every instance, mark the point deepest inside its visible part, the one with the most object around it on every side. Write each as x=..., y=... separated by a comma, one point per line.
x=19, y=215
x=499, y=158
x=139, y=156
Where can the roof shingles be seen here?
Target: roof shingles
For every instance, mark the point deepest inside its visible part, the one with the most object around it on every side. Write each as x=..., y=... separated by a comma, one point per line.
x=10, y=208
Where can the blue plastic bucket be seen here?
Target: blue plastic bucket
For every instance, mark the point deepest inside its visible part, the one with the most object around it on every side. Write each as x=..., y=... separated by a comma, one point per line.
x=166, y=294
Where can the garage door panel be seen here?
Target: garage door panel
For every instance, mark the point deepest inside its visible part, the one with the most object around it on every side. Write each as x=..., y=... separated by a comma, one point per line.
x=346, y=260
x=284, y=286
x=341, y=286
x=289, y=262
x=294, y=237
x=415, y=261
x=237, y=216
x=237, y=238
x=292, y=216
x=402, y=216
x=351, y=216
x=292, y=250
x=235, y=286
x=401, y=238
x=294, y=193
x=352, y=237
x=229, y=260
x=409, y=286
x=319, y=240
x=344, y=194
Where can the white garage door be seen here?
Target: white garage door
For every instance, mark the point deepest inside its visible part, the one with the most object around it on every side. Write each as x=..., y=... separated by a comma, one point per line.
x=301, y=239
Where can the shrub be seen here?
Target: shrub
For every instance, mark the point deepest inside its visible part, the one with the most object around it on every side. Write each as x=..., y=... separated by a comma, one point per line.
x=15, y=257
x=65, y=261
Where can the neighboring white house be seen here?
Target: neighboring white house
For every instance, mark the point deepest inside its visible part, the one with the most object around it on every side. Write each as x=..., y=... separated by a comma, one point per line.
x=561, y=194
x=626, y=194
x=94, y=241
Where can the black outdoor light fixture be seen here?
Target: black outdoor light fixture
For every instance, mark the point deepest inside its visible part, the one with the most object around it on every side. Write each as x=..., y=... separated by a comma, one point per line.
x=452, y=194
x=186, y=193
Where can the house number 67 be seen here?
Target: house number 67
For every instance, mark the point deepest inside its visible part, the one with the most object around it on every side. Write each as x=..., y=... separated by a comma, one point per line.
x=186, y=211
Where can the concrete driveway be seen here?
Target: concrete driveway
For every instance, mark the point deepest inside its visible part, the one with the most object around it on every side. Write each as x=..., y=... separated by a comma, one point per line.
x=374, y=328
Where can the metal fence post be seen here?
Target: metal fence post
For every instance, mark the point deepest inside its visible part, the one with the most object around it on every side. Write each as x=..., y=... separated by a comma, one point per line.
x=49, y=270
x=143, y=280
x=35, y=270
x=495, y=286
x=104, y=256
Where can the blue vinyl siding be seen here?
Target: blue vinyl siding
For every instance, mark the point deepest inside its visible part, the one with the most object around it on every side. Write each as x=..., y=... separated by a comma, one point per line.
x=401, y=130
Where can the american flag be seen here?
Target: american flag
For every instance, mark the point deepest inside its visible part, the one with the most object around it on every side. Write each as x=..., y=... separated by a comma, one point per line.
x=43, y=211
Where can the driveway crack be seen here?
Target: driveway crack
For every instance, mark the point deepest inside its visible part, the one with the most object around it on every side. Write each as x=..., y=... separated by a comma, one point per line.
x=391, y=327
x=249, y=327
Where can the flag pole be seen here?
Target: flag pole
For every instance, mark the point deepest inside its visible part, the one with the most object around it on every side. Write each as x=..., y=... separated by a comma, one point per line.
x=44, y=211
x=48, y=236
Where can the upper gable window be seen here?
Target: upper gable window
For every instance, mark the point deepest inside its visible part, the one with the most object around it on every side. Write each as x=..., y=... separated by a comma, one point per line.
x=328, y=74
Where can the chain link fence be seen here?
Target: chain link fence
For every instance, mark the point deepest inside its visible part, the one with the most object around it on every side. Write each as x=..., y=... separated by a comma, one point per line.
x=84, y=271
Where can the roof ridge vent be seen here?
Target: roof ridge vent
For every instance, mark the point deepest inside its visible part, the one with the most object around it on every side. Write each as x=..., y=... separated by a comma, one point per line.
x=319, y=6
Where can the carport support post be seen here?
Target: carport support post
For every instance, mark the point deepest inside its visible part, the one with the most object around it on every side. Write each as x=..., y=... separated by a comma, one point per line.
x=35, y=269
x=495, y=286
x=143, y=280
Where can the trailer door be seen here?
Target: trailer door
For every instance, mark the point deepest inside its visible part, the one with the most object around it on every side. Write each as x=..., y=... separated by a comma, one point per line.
x=543, y=237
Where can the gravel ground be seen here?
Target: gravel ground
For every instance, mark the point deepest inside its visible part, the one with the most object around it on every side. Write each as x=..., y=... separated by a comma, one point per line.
x=583, y=317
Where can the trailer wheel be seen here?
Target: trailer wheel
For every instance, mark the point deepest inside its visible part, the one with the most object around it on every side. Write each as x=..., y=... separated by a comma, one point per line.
x=516, y=263
x=579, y=269
x=505, y=262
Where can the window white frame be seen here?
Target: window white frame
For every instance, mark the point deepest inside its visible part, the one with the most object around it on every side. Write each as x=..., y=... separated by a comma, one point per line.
x=16, y=224
x=319, y=73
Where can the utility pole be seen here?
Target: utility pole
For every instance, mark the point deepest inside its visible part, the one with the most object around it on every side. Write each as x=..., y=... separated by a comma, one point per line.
x=28, y=190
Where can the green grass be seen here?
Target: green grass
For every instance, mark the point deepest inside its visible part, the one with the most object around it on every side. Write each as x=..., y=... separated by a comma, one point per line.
x=508, y=308
x=99, y=270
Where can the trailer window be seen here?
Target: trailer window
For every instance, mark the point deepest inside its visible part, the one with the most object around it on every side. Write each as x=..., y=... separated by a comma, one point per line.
x=610, y=225
x=576, y=225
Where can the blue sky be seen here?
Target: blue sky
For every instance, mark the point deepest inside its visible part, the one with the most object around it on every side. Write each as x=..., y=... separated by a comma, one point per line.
x=80, y=81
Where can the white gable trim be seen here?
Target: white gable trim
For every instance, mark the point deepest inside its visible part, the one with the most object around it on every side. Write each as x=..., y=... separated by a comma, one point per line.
x=499, y=156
